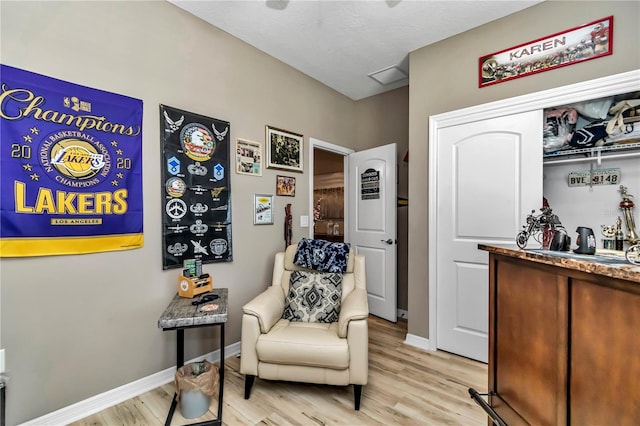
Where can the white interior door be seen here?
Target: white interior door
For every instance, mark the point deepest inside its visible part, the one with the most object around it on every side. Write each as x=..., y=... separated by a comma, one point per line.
x=372, y=223
x=489, y=177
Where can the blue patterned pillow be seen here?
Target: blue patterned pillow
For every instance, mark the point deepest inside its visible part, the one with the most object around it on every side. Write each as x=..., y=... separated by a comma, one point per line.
x=313, y=297
x=323, y=256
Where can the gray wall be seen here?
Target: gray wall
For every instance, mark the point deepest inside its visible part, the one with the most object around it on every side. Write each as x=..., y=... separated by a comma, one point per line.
x=590, y=206
x=444, y=77
x=76, y=326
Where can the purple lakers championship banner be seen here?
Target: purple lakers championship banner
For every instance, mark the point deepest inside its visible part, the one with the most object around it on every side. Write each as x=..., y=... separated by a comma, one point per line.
x=196, y=191
x=70, y=167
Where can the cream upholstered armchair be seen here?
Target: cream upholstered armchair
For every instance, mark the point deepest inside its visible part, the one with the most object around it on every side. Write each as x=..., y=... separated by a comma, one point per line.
x=281, y=340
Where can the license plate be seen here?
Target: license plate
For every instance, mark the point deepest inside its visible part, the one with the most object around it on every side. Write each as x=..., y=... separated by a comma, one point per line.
x=595, y=177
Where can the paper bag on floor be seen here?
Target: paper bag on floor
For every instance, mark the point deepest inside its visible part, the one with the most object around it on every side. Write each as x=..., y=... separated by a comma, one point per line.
x=202, y=376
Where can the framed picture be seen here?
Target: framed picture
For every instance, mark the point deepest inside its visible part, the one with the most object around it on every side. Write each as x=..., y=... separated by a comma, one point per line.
x=284, y=150
x=589, y=41
x=286, y=185
x=248, y=157
x=262, y=209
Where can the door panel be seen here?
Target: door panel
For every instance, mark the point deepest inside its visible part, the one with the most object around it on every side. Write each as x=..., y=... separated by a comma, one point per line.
x=372, y=223
x=489, y=179
x=474, y=183
x=469, y=296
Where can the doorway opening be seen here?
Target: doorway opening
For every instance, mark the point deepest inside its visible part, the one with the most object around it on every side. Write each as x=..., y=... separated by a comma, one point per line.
x=328, y=191
x=328, y=196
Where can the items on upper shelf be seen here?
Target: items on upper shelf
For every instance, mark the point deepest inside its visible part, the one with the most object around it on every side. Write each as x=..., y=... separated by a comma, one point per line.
x=606, y=124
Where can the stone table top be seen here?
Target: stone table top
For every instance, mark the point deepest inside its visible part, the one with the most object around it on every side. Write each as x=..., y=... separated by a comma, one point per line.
x=601, y=263
x=182, y=314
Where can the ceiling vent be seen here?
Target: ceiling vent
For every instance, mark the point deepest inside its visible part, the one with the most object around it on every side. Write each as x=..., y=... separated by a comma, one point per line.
x=389, y=75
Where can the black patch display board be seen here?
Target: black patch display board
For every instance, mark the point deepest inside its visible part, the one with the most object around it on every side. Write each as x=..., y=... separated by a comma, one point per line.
x=196, y=191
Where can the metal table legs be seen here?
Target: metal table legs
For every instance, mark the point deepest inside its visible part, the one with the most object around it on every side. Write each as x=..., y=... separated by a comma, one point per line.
x=180, y=363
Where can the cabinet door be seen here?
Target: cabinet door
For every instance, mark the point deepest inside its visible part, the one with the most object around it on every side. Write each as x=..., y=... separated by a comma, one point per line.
x=528, y=361
x=605, y=355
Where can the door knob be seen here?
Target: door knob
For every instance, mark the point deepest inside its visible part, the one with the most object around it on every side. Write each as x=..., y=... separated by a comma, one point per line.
x=389, y=241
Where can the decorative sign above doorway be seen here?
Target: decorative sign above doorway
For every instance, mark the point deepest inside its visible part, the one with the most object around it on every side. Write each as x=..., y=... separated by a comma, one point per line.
x=589, y=41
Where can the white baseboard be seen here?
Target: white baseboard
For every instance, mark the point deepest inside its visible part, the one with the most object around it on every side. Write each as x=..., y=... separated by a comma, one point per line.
x=417, y=341
x=402, y=313
x=95, y=404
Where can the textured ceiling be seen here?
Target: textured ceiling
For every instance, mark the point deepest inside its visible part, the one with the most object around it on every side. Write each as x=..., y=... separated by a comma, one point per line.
x=340, y=43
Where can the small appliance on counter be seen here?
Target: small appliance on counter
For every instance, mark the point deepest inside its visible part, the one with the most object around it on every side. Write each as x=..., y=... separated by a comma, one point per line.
x=586, y=241
x=561, y=241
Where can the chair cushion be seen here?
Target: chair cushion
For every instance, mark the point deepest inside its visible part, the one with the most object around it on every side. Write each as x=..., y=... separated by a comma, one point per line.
x=304, y=344
x=313, y=297
x=323, y=256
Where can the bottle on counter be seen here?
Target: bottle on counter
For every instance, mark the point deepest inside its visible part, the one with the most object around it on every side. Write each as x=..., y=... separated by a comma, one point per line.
x=619, y=239
x=330, y=228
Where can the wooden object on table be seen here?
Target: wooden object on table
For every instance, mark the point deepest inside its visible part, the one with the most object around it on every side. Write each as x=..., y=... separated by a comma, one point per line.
x=193, y=286
x=563, y=346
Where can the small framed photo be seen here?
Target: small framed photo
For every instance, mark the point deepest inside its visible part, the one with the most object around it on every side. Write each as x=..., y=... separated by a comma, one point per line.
x=286, y=185
x=262, y=209
x=284, y=150
x=248, y=157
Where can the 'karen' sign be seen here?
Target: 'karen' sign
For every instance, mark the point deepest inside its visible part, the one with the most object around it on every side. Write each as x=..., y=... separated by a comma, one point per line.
x=588, y=41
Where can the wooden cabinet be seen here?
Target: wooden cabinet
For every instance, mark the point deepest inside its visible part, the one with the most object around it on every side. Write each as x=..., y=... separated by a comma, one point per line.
x=527, y=353
x=605, y=354
x=564, y=344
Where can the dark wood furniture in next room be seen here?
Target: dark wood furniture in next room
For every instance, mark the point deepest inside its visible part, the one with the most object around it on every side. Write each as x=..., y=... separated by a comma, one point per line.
x=564, y=339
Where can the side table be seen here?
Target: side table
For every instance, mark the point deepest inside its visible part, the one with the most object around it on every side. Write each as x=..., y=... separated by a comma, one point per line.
x=179, y=315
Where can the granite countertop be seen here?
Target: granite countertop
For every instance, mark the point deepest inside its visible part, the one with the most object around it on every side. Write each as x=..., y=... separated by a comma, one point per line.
x=602, y=263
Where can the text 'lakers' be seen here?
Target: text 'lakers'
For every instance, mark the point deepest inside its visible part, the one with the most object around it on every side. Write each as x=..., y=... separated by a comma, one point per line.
x=63, y=202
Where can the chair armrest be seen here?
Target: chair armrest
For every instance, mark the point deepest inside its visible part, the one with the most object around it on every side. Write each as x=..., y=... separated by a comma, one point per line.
x=354, y=307
x=267, y=307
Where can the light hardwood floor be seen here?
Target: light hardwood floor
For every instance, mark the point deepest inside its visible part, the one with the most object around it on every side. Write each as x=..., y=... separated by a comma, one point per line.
x=407, y=386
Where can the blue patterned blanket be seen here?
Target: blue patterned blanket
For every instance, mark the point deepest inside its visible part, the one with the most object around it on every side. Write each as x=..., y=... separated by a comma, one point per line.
x=323, y=256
